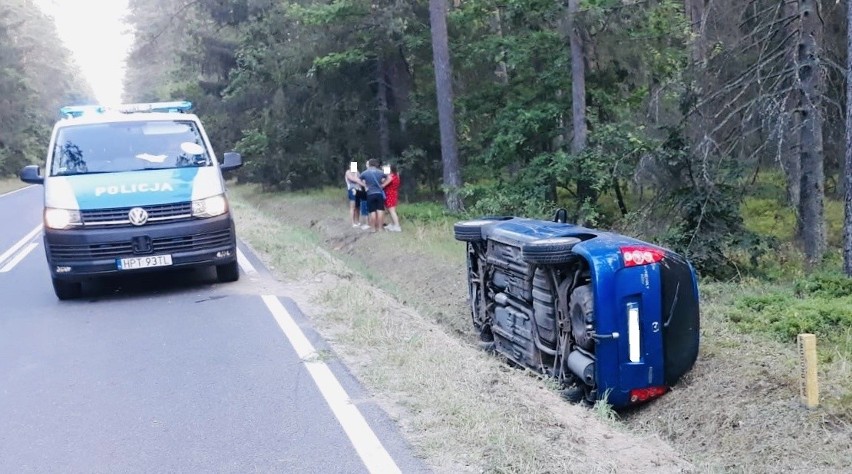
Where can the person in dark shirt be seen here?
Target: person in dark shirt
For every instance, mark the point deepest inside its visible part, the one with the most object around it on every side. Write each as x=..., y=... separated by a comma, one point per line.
x=374, y=179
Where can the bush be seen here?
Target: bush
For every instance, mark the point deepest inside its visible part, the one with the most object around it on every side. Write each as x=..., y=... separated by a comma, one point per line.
x=820, y=304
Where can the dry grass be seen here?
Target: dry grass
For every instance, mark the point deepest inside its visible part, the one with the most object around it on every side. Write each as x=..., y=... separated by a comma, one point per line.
x=462, y=410
x=737, y=411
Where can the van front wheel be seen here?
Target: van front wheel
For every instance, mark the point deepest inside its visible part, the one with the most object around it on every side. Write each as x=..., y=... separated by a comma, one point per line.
x=67, y=290
x=228, y=272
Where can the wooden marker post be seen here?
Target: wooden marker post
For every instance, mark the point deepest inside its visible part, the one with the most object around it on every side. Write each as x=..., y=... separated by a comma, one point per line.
x=808, y=386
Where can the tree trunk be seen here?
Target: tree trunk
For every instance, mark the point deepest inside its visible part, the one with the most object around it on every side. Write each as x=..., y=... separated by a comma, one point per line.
x=446, y=112
x=382, y=99
x=401, y=84
x=502, y=71
x=694, y=127
x=585, y=192
x=790, y=147
x=694, y=10
x=578, y=81
x=790, y=161
x=847, y=178
x=812, y=188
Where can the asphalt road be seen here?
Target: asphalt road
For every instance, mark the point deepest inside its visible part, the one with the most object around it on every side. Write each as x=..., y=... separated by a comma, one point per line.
x=171, y=373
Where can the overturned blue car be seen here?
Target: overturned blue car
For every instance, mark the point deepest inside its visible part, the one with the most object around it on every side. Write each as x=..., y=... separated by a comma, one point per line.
x=607, y=316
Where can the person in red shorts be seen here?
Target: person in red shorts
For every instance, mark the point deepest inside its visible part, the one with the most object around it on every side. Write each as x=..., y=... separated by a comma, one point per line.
x=391, y=187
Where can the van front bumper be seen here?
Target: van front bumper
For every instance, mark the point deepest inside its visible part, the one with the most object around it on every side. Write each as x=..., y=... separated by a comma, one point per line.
x=78, y=254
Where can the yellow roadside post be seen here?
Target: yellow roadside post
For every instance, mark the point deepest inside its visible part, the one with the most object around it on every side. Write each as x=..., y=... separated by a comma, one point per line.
x=808, y=386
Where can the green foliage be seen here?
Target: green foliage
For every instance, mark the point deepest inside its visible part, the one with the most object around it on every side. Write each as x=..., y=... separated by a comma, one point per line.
x=295, y=87
x=426, y=213
x=711, y=232
x=508, y=201
x=770, y=218
x=36, y=79
x=820, y=304
x=824, y=286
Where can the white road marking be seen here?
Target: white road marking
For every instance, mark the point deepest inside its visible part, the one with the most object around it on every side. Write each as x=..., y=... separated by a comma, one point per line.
x=246, y=265
x=20, y=244
x=20, y=256
x=16, y=190
x=369, y=448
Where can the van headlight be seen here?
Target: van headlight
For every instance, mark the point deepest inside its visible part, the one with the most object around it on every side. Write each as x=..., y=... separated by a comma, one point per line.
x=210, y=207
x=55, y=218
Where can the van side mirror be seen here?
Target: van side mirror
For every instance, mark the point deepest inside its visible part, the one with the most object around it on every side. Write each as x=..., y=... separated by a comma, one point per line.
x=31, y=174
x=233, y=160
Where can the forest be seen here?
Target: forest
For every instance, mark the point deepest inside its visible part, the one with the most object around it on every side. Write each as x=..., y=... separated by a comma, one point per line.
x=678, y=121
x=37, y=77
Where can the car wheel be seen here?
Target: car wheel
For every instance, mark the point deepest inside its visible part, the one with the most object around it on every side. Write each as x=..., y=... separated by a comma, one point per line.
x=228, y=272
x=471, y=231
x=67, y=290
x=582, y=312
x=552, y=251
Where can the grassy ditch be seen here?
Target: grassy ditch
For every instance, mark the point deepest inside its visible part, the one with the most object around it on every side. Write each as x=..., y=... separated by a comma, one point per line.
x=383, y=302
x=394, y=307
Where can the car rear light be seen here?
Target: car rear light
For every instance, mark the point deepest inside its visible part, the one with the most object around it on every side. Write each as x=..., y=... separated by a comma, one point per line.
x=639, y=395
x=637, y=255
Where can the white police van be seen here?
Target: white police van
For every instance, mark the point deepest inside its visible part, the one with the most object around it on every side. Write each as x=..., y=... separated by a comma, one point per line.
x=130, y=189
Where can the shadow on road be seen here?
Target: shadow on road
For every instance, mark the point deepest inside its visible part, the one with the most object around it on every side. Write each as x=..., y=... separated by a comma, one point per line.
x=149, y=284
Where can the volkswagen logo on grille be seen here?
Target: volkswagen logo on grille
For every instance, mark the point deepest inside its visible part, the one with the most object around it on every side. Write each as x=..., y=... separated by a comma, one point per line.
x=138, y=216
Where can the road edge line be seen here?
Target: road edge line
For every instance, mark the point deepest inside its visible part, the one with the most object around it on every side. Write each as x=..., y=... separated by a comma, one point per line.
x=244, y=262
x=373, y=454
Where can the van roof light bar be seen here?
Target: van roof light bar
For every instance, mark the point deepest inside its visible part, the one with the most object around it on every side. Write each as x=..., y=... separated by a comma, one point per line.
x=181, y=106
x=75, y=111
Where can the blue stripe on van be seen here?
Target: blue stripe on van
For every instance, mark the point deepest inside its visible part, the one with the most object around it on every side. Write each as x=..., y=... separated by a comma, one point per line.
x=133, y=188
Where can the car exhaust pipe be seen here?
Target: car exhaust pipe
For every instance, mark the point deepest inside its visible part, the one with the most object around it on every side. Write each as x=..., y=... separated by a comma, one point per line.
x=582, y=366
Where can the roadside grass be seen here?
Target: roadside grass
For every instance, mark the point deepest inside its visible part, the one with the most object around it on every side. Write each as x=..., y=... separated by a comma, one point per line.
x=285, y=245
x=819, y=304
x=737, y=410
x=462, y=410
x=10, y=184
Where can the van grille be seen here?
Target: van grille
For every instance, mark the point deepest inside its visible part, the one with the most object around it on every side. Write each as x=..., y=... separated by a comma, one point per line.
x=117, y=217
x=61, y=254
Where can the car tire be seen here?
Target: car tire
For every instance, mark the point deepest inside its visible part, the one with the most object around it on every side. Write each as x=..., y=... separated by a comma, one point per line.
x=471, y=231
x=552, y=251
x=581, y=310
x=228, y=272
x=67, y=290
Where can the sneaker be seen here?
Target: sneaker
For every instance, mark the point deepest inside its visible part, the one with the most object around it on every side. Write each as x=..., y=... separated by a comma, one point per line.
x=365, y=227
x=394, y=228
x=356, y=225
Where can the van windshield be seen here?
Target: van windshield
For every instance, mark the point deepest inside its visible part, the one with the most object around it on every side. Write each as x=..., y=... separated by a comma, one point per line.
x=127, y=146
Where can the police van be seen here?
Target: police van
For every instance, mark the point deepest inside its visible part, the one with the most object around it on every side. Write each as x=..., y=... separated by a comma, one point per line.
x=130, y=189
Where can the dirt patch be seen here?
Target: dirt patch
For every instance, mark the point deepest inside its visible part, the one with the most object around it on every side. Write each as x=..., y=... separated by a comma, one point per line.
x=736, y=411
